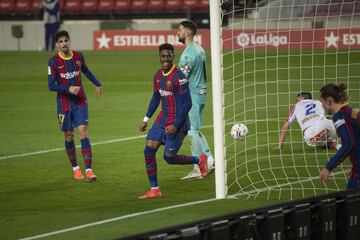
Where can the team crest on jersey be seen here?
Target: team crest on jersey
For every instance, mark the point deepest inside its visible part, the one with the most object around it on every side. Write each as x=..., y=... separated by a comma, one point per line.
x=78, y=63
x=168, y=83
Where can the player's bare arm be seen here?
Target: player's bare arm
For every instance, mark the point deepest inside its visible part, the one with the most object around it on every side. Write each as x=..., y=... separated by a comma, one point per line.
x=324, y=174
x=74, y=90
x=98, y=92
x=282, y=135
x=143, y=126
x=171, y=129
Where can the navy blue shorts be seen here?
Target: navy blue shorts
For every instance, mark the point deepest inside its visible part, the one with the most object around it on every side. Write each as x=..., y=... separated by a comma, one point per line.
x=74, y=118
x=172, y=143
x=353, y=184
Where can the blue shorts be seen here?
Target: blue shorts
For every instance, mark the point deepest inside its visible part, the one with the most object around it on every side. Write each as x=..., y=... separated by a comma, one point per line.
x=172, y=143
x=195, y=115
x=74, y=118
x=353, y=184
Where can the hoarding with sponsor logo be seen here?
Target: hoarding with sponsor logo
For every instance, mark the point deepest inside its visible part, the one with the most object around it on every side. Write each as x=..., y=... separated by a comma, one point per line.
x=343, y=38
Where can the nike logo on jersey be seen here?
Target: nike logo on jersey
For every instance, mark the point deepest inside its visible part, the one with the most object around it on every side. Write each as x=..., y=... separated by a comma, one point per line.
x=165, y=93
x=60, y=67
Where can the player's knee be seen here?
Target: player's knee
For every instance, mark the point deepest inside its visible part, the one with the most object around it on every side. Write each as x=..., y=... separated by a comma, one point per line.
x=149, y=150
x=169, y=158
x=192, y=134
x=83, y=134
x=69, y=136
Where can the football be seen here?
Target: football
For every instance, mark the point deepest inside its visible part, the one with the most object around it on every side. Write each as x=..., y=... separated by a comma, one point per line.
x=239, y=131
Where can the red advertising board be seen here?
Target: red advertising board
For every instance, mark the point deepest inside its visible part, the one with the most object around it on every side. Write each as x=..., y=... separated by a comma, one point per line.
x=343, y=38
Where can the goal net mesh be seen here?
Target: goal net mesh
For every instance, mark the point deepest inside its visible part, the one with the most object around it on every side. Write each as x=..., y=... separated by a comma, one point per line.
x=271, y=51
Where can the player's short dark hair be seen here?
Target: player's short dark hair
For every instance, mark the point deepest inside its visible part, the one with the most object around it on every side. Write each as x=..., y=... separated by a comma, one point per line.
x=305, y=95
x=166, y=46
x=61, y=34
x=190, y=25
x=337, y=92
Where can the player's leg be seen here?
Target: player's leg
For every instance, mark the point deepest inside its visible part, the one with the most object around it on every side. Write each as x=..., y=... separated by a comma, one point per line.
x=171, y=148
x=198, y=141
x=153, y=142
x=47, y=36
x=65, y=123
x=86, y=151
x=54, y=29
x=81, y=122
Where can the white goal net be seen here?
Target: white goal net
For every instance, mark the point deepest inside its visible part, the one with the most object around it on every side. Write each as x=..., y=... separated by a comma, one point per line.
x=272, y=50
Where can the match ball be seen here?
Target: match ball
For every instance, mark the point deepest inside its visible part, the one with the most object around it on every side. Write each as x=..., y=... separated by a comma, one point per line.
x=239, y=131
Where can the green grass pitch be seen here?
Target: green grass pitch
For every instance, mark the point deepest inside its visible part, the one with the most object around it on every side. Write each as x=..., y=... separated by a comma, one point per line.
x=37, y=192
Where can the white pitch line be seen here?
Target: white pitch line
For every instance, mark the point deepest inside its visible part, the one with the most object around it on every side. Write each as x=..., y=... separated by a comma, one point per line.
x=93, y=144
x=118, y=219
x=235, y=196
x=61, y=149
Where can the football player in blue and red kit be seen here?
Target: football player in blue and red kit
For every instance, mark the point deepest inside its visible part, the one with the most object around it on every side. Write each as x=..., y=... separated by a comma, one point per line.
x=64, y=77
x=171, y=88
x=334, y=98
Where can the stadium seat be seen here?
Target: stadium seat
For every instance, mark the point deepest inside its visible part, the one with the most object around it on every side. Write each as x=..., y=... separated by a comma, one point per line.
x=22, y=7
x=105, y=6
x=190, y=4
x=34, y=8
x=204, y=5
x=173, y=5
x=156, y=5
x=122, y=6
x=89, y=6
x=139, y=5
x=7, y=6
x=72, y=6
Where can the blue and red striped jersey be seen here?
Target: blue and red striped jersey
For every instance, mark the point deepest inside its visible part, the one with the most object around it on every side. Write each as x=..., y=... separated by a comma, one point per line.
x=65, y=72
x=348, y=130
x=172, y=89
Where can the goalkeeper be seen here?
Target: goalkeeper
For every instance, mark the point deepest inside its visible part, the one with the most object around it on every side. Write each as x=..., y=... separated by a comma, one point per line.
x=193, y=64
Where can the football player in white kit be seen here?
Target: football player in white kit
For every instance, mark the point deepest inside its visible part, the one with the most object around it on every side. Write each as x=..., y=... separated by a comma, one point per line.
x=316, y=129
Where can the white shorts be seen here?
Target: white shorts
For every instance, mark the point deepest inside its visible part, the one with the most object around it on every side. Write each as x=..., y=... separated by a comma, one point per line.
x=320, y=134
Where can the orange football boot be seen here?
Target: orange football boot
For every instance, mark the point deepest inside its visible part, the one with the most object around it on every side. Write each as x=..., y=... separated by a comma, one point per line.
x=78, y=174
x=203, y=165
x=90, y=176
x=152, y=193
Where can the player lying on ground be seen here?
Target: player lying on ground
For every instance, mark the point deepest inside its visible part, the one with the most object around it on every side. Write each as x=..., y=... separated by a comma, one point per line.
x=334, y=98
x=171, y=88
x=316, y=129
x=64, y=77
x=193, y=64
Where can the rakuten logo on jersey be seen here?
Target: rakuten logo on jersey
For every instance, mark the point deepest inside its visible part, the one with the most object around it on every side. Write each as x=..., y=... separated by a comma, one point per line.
x=69, y=75
x=253, y=39
x=165, y=93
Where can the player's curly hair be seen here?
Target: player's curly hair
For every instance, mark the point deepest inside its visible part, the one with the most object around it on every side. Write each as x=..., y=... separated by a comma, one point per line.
x=61, y=34
x=190, y=25
x=166, y=46
x=337, y=92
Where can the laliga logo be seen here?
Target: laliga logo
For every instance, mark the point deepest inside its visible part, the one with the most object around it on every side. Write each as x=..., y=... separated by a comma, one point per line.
x=244, y=39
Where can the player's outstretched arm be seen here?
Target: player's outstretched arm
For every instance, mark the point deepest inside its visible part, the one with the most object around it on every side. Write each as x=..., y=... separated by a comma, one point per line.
x=346, y=147
x=88, y=73
x=283, y=133
x=153, y=105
